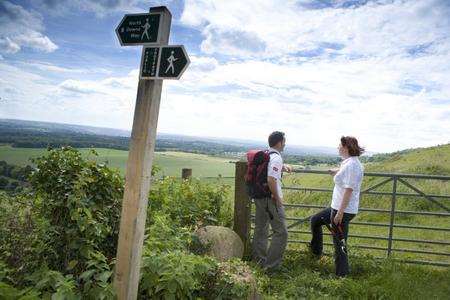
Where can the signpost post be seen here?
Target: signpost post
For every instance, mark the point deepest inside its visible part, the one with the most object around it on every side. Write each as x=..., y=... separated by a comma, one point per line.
x=143, y=29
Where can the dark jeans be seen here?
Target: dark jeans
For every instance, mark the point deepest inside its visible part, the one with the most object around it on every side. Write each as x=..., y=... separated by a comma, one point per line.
x=325, y=217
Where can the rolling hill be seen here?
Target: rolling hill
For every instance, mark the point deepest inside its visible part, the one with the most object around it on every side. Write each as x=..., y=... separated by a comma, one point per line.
x=33, y=134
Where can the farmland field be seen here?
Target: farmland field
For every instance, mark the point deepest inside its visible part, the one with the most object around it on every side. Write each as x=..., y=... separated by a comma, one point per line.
x=170, y=163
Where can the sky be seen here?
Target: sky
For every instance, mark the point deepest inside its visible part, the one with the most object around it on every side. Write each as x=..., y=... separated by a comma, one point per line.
x=317, y=70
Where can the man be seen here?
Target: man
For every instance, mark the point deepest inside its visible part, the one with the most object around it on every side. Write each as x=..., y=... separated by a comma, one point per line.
x=271, y=210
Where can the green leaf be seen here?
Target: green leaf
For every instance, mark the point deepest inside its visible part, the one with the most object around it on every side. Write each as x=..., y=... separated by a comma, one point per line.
x=104, y=276
x=87, y=274
x=72, y=264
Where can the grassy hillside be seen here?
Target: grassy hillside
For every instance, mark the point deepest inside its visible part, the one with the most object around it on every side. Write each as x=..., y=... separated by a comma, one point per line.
x=171, y=163
x=434, y=160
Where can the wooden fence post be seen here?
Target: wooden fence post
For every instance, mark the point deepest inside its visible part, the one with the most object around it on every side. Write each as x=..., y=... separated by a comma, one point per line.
x=242, y=207
x=186, y=173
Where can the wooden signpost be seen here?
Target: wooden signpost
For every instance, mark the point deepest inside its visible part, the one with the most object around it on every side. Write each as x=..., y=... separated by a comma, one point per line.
x=142, y=29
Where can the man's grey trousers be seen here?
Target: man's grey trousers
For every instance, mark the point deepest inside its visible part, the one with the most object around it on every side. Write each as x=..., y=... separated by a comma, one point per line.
x=268, y=213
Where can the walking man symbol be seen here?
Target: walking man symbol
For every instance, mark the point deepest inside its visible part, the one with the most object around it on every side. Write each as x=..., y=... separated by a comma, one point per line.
x=146, y=27
x=171, y=60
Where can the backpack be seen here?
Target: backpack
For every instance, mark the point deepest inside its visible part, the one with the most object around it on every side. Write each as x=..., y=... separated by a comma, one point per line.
x=256, y=176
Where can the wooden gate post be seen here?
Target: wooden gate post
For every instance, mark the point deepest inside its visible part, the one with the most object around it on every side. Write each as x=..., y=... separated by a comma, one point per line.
x=186, y=173
x=242, y=207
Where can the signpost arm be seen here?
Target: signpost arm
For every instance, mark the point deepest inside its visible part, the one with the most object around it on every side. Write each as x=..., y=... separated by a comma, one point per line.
x=138, y=173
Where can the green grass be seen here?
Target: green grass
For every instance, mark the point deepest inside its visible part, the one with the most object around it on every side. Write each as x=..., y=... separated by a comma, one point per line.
x=171, y=163
x=304, y=277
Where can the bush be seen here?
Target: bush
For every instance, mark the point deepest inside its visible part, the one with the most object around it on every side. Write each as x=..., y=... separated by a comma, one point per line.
x=233, y=280
x=174, y=275
x=163, y=236
x=53, y=284
x=190, y=203
x=3, y=182
x=181, y=275
x=66, y=228
x=20, y=236
x=59, y=240
x=169, y=269
x=80, y=201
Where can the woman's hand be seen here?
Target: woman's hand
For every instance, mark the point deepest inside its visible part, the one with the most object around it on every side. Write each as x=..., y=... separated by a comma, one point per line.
x=333, y=172
x=287, y=168
x=338, y=218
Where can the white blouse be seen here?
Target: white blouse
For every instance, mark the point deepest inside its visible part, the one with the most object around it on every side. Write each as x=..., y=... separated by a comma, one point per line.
x=350, y=175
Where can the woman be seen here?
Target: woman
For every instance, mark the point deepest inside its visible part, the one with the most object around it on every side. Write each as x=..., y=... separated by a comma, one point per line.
x=344, y=204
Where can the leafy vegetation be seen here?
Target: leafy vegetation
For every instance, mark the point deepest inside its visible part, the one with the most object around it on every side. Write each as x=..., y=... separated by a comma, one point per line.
x=63, y=240
x=13, y=177
x=58, y=239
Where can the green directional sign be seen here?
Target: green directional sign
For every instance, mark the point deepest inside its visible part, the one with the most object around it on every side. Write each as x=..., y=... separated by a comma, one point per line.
x=139, y=29
x=164, y=62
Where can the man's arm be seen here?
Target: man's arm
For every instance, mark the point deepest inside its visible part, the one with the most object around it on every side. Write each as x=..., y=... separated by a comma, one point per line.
x=272, y=182
x=345, y=200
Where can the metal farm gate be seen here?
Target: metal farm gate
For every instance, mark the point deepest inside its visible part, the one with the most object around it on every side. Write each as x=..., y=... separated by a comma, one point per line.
x=399, y=234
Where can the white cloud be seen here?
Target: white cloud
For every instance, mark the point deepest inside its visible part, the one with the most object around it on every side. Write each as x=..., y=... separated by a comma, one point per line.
x=379, y=72
x=203, y=63
x=313, y=103
x=37, y=41
x=79, y=87
x=373, y=29
x=237, y=42
x=99, y=103
x=101, y=8
x=371, y=70
x=8, y=46
x=22, y=28
x=50, y=68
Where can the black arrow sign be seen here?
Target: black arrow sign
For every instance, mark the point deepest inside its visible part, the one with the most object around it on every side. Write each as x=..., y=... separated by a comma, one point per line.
x=139, y=29
x=164, y=62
